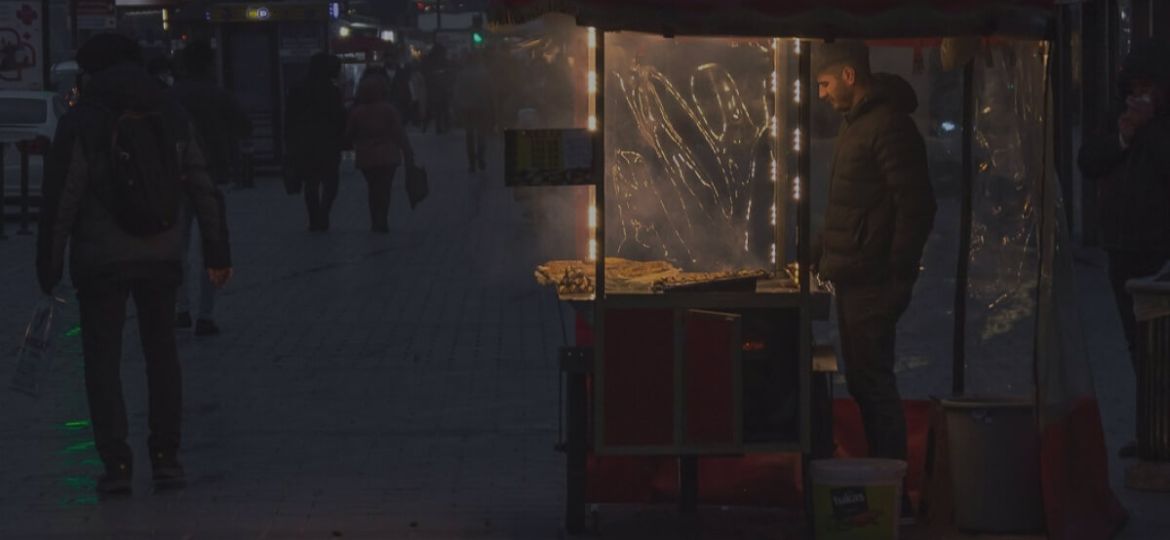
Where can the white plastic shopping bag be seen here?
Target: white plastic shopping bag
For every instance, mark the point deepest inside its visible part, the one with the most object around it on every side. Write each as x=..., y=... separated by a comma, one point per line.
x=36, y=350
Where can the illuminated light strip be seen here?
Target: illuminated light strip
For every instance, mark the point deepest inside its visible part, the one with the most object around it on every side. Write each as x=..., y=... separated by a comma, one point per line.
x=592, y=39
x=796, y=188
x=592, y=82
x=796, y=140
x=773, y=253
x=745, y=241
x=773, y=214
x=592, y=249
x=796, y=92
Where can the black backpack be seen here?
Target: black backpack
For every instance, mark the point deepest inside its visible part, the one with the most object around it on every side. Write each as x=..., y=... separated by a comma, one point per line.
x=143, y=188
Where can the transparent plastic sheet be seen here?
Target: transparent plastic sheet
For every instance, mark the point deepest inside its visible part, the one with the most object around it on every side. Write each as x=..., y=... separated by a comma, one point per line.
x=1010, y=160
x=689, y=150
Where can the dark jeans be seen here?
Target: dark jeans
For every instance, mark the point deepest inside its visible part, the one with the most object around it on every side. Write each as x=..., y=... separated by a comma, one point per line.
x=1124, y=266
x=379, y=181
x=320, y=192
x=103, y=313
x=868, y=319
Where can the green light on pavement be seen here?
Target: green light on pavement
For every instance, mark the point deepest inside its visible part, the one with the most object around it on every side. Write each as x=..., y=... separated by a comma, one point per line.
x=73, y=332
x=86, y=500
x=80, y=482
x=79, y=447
x=93, y=462
x=77, y=424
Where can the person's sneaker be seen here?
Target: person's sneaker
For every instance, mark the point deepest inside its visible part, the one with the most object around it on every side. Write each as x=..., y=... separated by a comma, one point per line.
x=1129, y=451
x=116, y=480
x=166, y=470
x=183, y=320
x=206, y=327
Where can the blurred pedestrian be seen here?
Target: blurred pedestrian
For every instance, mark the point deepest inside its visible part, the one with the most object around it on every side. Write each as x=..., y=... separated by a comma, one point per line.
x=314, y=129
x=380, y=145
x=1129, y=161
x=221, y=123
x=436, y=70
x=472, y=101
x=120, y=163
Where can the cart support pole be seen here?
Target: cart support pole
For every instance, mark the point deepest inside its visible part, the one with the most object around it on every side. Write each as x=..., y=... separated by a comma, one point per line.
x=959, y=367
x=576, y=451
x=688, y=485
x=3, y=203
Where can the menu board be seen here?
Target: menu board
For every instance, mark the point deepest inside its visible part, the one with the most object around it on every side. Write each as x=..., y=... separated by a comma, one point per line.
x=548, y=157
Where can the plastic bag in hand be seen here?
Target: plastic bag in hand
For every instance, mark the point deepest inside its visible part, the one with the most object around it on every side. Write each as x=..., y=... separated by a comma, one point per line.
x=36, y=350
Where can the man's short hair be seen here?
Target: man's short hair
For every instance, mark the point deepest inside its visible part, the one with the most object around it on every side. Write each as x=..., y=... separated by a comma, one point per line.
x=845, y=53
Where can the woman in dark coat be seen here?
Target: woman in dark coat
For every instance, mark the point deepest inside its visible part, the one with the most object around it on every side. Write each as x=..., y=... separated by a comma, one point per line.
x=314, y=124
x=380, y=144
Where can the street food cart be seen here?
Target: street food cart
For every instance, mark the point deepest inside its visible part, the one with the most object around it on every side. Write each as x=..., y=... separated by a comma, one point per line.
x=692, y=283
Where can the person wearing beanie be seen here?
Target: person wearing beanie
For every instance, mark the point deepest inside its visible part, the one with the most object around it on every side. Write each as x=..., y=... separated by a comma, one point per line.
x=113, y=256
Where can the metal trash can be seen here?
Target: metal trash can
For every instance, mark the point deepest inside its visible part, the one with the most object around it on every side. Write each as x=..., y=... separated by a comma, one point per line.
x=1151, y=306
x=995, y=464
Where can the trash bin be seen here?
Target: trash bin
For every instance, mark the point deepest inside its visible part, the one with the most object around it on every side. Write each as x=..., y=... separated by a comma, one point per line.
x=1151, y=306
x=995, y=464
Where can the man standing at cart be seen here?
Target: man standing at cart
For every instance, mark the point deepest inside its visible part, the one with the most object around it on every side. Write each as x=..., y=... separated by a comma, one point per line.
x=880, y=212
x=1130, y=161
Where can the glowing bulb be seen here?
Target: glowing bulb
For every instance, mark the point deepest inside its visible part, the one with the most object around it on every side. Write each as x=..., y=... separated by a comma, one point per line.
x=797, y=42
x=796, y=140
x=592, y=122
x=773, y=214
x=592, y=217
x=745, y=241
x=796, y=188
x=344, y=31
x=592, y=82
x=592, y=39
x=773, y=253
x=796, y=91
x=592, y=249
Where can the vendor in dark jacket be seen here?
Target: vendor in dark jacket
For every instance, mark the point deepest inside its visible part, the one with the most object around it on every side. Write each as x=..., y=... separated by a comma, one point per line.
x=880, y=212
x=1131, y=160
x=109, y=265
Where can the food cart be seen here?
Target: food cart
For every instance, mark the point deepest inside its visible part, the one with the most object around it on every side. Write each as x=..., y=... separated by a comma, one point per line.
x=692, y=283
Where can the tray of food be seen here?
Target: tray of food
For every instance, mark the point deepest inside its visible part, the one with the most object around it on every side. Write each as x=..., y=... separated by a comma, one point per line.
x=576, y=279
x=725, y=281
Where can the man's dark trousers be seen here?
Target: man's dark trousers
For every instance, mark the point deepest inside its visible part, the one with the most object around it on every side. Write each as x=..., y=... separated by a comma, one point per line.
x=868, y=320
x=1124, y=266
x=102, y=304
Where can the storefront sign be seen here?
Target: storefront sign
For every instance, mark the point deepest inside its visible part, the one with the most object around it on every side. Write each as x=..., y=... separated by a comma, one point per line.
x=548, y=157
x=23, y=51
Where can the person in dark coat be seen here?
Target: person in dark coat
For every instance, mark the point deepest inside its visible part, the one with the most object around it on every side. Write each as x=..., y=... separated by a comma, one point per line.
x=380, y=145
x=109, y=265
x=220, y=123
x=472, y=101
x=1131, y=160
x=314, y=124
x=436, y=69
x=880, y=212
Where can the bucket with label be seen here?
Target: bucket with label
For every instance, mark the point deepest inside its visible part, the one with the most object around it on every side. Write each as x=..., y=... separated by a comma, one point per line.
x=857, y=499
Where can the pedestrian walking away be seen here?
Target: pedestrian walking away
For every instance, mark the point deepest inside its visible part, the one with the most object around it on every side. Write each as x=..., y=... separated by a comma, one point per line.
x=473, y=107
x=314, y=129
x=880, y=212
x=220, y=124
x=1128, y=158
x=120, y=165
x=380, y=145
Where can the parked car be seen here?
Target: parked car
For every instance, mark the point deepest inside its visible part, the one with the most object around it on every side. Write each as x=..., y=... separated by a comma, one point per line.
x=28, y=118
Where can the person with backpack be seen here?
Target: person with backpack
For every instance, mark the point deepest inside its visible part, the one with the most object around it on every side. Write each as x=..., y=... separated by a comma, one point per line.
x=314, y=124
x=380, y=144
x=120, y=165
x=220, y=124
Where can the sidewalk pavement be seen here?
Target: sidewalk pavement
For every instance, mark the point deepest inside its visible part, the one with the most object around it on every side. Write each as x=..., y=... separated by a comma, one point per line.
x=378, y=386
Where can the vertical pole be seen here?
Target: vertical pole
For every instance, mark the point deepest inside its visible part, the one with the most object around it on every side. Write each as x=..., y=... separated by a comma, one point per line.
x=438, y=15
x=3, y=204
x=804, y=238
x=1065, y=110
x=967, y=181
x=780, y=177
x=1094, y=70
x=23, y=188
x=688, y=485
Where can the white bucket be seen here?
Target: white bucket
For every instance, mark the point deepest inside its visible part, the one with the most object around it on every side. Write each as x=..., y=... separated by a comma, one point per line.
x=857, y=499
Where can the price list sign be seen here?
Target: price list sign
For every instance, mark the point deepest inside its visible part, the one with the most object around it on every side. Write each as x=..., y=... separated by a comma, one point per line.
x=548, y=157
